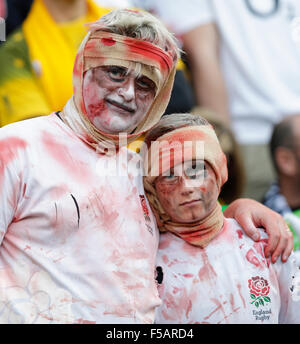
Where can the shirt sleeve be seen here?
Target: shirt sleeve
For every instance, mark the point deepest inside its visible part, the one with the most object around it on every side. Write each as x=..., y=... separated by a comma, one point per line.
x=289, y=284
x=10, y=180
x=180, y=16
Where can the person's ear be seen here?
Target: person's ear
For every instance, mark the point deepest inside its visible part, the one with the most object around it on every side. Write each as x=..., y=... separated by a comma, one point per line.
x=286, y=161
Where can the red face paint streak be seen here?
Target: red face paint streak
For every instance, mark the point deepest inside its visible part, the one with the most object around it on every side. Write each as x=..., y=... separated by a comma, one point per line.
x=8, y=152
x=96, y=110
x=108, y=41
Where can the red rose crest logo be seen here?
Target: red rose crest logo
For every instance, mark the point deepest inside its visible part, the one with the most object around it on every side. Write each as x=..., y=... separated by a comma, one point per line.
x=259, y=289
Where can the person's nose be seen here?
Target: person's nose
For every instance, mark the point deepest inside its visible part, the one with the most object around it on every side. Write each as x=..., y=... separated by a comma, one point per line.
x=185, y=186
x=127, y=91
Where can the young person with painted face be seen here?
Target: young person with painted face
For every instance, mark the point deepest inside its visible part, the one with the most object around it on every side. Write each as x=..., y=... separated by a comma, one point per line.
x=78, y=243
x=208, y=270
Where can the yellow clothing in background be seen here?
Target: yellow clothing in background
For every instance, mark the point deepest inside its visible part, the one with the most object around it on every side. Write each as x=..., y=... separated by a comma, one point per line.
x=36, y=63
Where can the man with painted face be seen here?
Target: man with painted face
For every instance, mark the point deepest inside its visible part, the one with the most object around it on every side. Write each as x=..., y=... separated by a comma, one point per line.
x=78, y=241
x=208, y=271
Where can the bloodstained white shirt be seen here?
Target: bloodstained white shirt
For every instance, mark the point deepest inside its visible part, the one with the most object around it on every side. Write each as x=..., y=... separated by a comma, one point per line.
x=228, y=282
x=77, y=246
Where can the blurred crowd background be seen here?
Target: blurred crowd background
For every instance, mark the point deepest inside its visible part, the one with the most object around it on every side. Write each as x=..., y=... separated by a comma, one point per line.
x=240, y=68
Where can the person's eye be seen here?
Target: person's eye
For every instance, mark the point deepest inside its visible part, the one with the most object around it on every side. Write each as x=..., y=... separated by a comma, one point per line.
x=117, y=73
x=169, y=178
x=196, y=171
x=145, y=84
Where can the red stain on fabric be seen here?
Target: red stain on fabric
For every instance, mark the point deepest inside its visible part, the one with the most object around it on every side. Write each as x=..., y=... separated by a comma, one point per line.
x=258, y=248
x=8, y=152
x=165, y=242
x=191, y=250
x=82, y=321
x=165, y=259
x=239, y=287
x=231, y=299
x=239, y=233
x=78, y=65
x=252, y=258
x=206, y=272
x=214, y=311
x=149, y=51
x=109, y=41
x=59, y=152
x=90, y=46
x=188, y=275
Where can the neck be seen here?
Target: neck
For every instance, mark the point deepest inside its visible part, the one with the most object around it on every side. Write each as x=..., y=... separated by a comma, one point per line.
x=65, y=10
x=290, y=189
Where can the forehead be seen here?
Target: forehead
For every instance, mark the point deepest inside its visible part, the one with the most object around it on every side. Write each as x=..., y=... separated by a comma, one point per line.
x=189, y=165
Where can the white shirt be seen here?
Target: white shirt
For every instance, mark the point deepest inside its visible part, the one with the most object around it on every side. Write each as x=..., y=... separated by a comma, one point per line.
x=228, y=282
x=76, y=246
x=260, y=56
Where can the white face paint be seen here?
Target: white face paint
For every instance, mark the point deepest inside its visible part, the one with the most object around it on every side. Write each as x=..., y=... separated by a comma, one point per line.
x=116, y=100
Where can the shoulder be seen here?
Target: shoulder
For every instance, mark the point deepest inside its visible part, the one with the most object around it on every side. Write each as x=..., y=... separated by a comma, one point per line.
x=233, y=226
x=28, y=129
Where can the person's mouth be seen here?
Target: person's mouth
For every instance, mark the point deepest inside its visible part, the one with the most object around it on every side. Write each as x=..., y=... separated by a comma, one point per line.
x=191, y=202
x=121, y=106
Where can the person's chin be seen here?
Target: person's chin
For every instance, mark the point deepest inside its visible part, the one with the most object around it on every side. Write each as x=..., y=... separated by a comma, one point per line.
x=189, y=217
x=112, y=128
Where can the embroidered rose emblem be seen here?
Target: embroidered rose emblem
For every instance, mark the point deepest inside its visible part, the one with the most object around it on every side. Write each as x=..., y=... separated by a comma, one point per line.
x=259, y=289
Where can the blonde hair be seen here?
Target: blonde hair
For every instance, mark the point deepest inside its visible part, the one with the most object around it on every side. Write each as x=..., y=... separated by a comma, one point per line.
x=140, y=25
